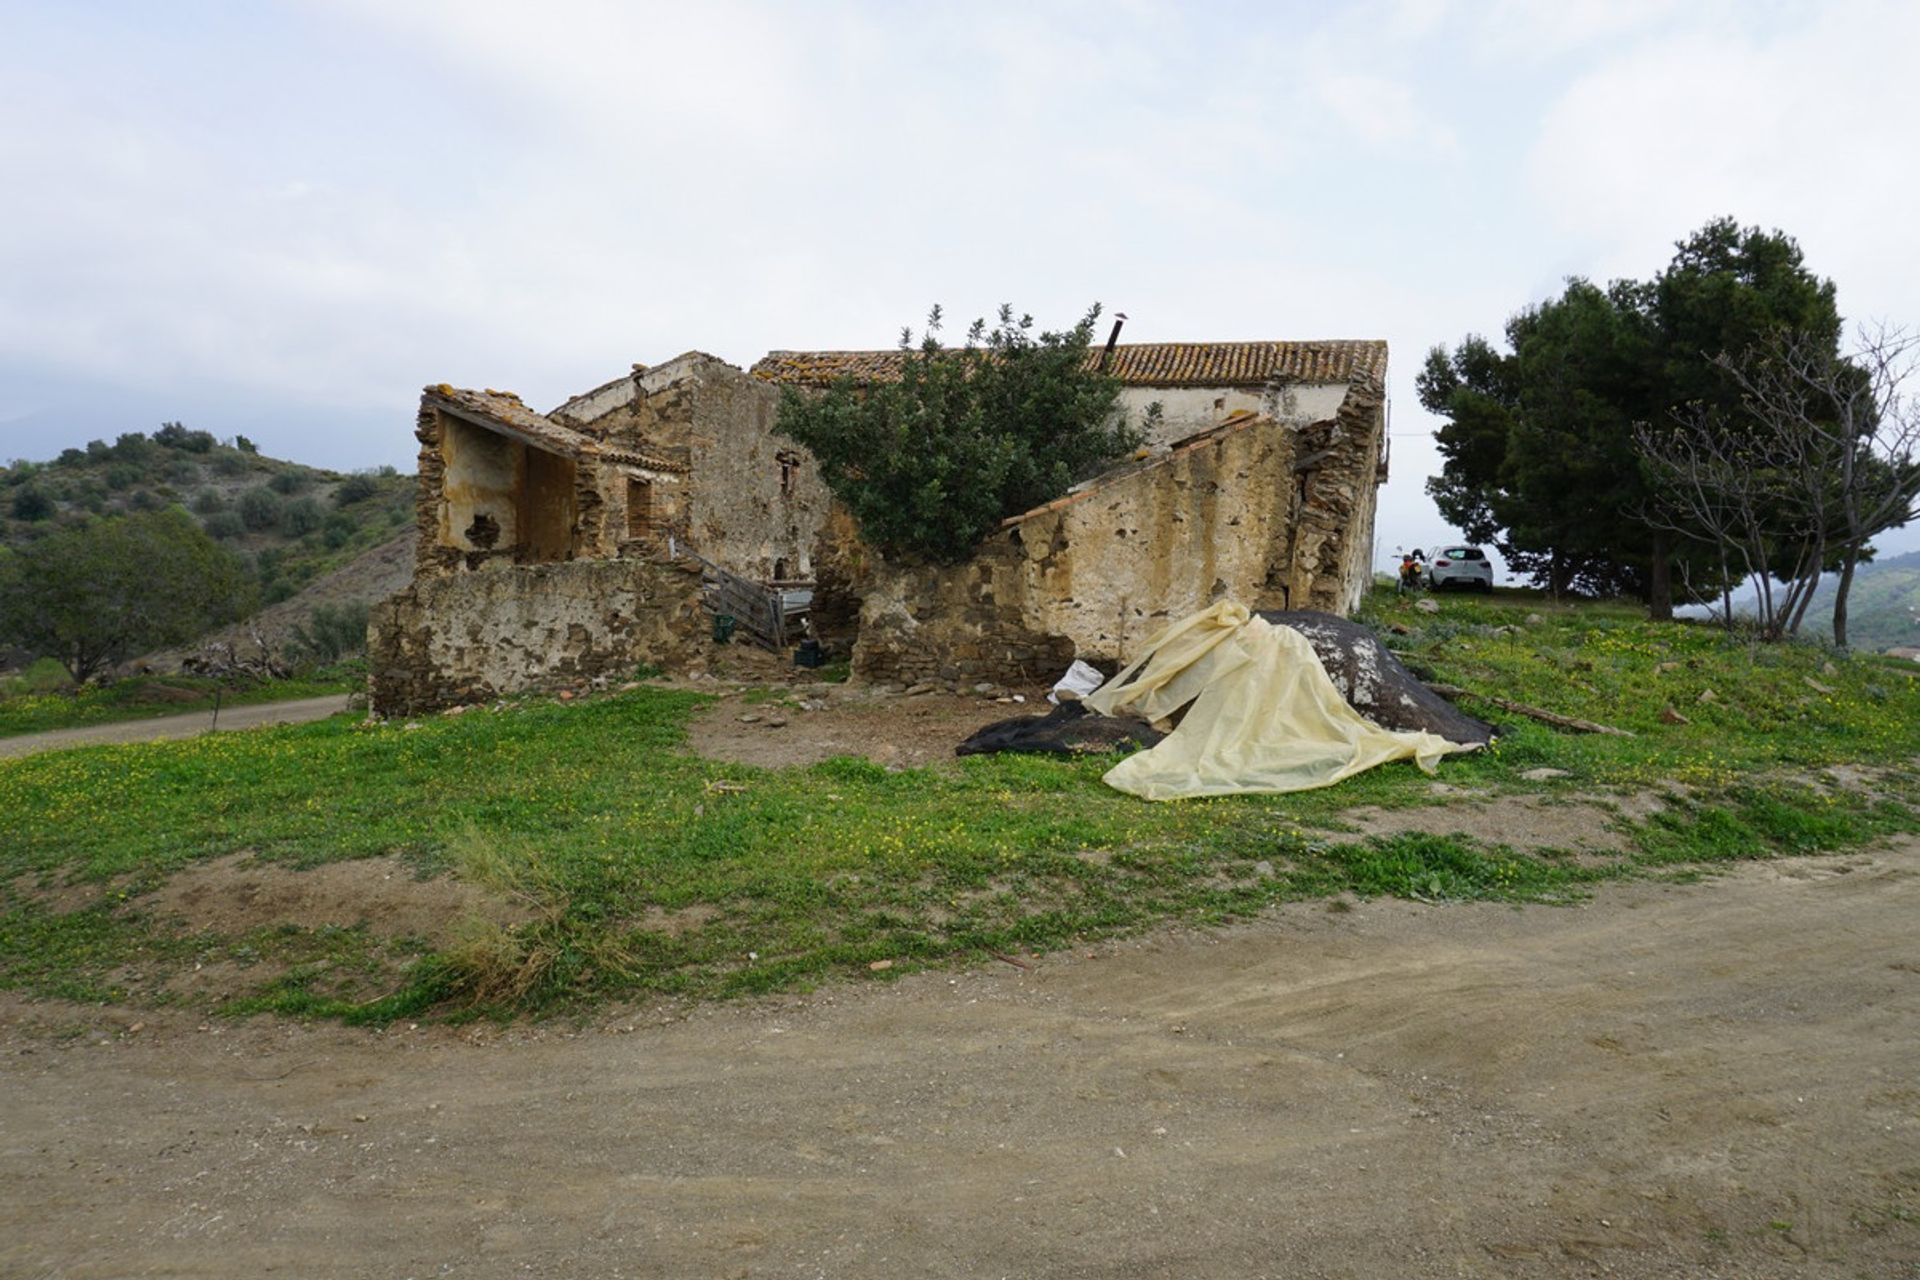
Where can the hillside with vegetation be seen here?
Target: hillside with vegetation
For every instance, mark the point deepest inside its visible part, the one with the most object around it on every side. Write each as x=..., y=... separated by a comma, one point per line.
x=140, y=554
x=290, y=524
x=1884, y=605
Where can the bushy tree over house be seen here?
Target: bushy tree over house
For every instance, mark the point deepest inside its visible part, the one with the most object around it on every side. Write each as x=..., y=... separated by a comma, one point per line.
x=111, y=589
x=968, y=435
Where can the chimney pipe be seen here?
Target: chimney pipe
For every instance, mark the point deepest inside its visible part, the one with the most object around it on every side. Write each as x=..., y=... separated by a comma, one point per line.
x=1113, y=339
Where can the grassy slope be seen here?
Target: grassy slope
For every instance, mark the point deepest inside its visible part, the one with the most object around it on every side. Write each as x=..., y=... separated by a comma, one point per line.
x=593, y=819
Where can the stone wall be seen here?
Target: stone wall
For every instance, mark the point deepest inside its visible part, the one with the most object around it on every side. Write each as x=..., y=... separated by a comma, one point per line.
x=505, y=629
x=1273, y=515
x=1337, y=470
x=752, y=501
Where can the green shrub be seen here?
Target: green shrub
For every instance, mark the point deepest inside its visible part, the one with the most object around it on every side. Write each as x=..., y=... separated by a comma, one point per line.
x=288, y=482
x=300, y=517
x=331, y=632
x=31, y=503
x=174, y=435
x=224, y=525
x=355, y=488
x=260, y=509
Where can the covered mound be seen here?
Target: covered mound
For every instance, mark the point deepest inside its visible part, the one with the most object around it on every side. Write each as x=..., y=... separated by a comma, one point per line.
x=1068, y=730
x=1374, y=682
x=1366, y=673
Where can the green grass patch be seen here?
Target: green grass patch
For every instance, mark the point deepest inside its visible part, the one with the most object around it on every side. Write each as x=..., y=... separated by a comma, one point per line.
x=1749, y=707
x=611, y=862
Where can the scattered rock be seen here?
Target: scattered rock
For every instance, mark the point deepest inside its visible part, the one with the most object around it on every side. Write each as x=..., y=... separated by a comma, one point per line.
x=1534, y=619
x=1664, y=667
x=776, y=722
x=881, y=966
x=1828, y=669
x=1669, y=716
x=749, y=719
x=1427, y=606
x=1263, y=868
x=1401, y=629
x=566, y=695
x=983, y=687
x=629, y=686
x=1817, y=687
x=1545, y=775
x=1019, y=697
x=915, y=690
x=1708, y=695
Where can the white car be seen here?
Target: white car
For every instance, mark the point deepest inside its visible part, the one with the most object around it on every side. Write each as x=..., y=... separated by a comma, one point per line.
x=1464, y=567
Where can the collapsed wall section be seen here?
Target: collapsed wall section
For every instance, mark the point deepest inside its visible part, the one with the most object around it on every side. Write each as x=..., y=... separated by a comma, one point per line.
x=450, y=639
x=1338, y=470
x=1274, y=515
x=1094, y=573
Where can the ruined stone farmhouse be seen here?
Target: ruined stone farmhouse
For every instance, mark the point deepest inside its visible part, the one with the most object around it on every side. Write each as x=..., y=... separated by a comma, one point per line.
x=584, y=541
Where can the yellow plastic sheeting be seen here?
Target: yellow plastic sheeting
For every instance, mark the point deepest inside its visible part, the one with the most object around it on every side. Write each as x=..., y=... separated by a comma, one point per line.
x=1265, y=718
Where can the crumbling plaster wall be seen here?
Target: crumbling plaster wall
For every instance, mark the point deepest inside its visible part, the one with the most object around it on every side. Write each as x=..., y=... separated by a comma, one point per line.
x=1095, y=573
x=482, y=497
x=737, y=505
x=1187, y=411
x=484, y=475
x=506, y=629
x=758, y=500
x=1273, y=515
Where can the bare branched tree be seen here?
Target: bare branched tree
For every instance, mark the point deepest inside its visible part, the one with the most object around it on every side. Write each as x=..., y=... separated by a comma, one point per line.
x=1827, y=458
x=1757, y=495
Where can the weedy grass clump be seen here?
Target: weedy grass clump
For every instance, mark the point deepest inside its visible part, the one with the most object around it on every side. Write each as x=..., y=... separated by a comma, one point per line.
x=610, y=862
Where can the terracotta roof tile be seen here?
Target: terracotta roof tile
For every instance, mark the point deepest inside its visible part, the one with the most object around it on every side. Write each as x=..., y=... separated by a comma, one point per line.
x=1139, y=364
x=636, y=458
x=504, y=412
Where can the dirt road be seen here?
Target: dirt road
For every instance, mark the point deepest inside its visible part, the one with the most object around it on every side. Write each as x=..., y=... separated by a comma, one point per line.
x=1718, y=1079
x=297, y=711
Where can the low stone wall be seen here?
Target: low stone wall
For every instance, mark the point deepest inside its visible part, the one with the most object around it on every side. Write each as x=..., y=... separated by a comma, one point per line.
x=959, y=625
x=465, y=637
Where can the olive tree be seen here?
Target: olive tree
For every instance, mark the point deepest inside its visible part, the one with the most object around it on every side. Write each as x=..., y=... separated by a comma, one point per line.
x=112, y=589
x=967, y=436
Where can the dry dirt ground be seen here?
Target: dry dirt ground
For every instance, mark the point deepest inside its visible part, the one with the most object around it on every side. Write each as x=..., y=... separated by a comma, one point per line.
x=1718, y=1079
x=811, y=723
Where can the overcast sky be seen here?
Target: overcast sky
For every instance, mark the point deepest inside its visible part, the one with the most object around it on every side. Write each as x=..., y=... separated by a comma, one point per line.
x=284, y=219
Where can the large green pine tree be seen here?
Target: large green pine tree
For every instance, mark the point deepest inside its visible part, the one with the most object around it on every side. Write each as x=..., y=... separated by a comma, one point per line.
x=1538, y=446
